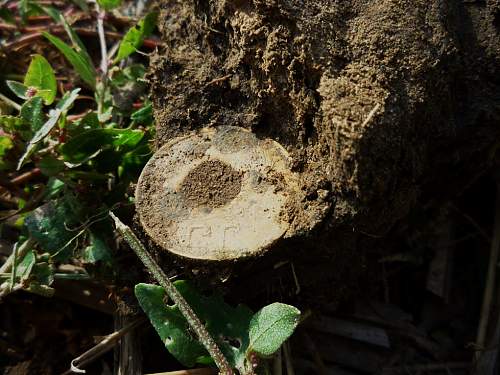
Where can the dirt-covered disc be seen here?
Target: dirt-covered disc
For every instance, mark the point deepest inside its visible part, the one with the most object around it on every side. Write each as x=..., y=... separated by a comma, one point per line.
x=218, y=194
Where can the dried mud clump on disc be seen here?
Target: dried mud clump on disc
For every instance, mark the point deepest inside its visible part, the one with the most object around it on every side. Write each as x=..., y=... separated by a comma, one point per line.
x=212, y=184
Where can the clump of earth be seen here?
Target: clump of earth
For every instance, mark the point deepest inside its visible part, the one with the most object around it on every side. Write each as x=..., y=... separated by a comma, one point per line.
x=378, y=102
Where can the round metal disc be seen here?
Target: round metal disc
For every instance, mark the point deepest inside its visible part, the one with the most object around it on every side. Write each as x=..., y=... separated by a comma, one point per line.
x=218, y=194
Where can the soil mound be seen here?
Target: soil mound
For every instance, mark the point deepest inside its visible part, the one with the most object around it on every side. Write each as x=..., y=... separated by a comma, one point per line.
x=376, y=101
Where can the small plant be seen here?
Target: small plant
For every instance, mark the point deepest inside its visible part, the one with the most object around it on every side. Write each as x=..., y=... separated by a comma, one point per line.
x=234, y=338
x=86, y=153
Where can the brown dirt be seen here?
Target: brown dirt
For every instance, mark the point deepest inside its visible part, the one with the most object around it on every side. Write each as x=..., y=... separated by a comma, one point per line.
x=211, y=184
x=371, y=98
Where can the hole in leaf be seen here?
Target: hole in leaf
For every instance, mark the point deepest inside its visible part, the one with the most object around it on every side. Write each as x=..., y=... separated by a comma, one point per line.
x=233, y=342
x=168, y=340
x=168, y=301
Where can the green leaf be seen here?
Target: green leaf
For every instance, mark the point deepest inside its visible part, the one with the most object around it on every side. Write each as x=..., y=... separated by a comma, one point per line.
x=109, y=4
x=41, y=76
x=227, y=325
x=7, y=15
x=50, y=225
x=43, y=273
x=32, y=113
x=24, y=268
x=54, y=115
x=143, y=115
x=89, y=143
x=270, y=327
x=51, y=166
x=97, y=251
x=10, y=123
x=5, y=145
x=17, y=88
x=134, y=37
x=77, y=59
x=53, y=188
x=82, y=4
x=133, y=161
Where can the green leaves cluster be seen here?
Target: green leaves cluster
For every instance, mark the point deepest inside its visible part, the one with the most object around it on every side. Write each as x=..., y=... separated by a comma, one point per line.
x=240, y=333
x=88, y=153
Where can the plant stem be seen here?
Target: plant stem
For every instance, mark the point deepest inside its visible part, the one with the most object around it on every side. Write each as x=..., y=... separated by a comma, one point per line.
x=10, y=102
x=102, y=41
x=14, y=267
x=186, y=310
x=21, y=252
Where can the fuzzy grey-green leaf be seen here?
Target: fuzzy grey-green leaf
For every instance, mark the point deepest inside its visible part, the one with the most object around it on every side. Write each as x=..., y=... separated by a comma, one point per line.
x=270, y=327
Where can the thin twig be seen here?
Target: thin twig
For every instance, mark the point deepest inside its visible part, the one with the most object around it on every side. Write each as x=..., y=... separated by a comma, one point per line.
x=278, y=363
x=370, y=115
x=491, y=277
x=14, y=267
x=102, y=40
x=26, y=176
x=10, y=102
x=186, y=310
x=103, y=347
x=288, y=359
x=21, y=252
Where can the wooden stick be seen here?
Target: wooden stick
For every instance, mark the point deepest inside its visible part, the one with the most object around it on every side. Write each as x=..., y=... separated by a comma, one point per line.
x=194, y=322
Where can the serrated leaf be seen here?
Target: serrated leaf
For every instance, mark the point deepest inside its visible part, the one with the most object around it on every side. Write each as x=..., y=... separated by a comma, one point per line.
x=41, y=76
x=227, y=325
x=109, y=4
x=89, y=143
x=134, y=37
x=270, y=327
x=17, y=88
x=78, y=60
x=62, y=107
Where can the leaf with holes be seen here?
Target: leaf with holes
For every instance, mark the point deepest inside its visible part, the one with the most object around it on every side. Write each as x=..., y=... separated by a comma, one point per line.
x=270, y=327
x=227, y=325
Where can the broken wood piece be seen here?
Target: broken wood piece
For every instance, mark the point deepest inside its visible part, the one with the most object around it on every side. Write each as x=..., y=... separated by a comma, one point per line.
x=218, y=194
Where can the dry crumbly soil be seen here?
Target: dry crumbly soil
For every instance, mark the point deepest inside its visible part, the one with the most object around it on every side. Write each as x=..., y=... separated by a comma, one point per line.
x=377, y=101
x=212, y=184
